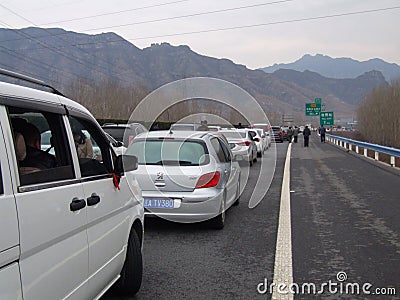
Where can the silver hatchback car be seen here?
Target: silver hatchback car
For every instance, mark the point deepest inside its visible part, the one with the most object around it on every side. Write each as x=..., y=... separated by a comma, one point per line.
x=186, y=176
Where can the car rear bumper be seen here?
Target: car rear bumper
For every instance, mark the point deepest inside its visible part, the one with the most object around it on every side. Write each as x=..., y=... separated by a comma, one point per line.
x=196, y=206
x=277, y=138
x=244, y=152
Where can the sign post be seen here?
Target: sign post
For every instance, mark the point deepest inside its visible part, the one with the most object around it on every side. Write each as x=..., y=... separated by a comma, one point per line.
x=326, y=118
x=313, y=109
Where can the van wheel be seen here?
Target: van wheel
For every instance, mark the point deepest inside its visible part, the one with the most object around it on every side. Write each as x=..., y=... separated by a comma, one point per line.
x=131, y=275
x=218, y=222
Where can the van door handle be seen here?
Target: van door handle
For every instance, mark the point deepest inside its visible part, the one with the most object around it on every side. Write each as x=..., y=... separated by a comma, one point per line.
x=93, y=200
x=77, y=204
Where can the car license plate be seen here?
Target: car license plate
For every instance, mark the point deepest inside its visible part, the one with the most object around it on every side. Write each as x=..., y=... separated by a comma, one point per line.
x=159, y=203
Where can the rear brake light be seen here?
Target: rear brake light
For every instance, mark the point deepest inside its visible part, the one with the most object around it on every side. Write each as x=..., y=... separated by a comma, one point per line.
x=208, y=180
x=246, y=143
x=280, y=132
x=257, y=140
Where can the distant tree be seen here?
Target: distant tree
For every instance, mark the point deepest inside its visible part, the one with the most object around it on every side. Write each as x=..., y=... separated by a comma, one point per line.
x=107, y=99
x=379, y=115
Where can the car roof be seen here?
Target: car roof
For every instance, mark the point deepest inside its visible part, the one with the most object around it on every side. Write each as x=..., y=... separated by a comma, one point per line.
x=121, y=125
x=175, y=134
x=194, y=125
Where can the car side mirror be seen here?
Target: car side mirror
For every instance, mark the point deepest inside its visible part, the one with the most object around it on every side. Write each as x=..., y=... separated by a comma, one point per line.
x=125, y=163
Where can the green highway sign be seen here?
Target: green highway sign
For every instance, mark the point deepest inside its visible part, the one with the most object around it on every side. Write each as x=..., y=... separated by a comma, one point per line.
x=326, y=118
x=318, y=101
x=313, y=109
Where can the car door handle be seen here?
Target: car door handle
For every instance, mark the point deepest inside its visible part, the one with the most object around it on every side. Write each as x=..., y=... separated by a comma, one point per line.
x=93, y=200
x=77, y=204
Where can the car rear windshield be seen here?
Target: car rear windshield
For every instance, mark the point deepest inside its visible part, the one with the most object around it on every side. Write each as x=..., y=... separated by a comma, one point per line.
x=182, y=127
x=276, y=128
x=234, y=135
x=116, y=133
x=169, y=152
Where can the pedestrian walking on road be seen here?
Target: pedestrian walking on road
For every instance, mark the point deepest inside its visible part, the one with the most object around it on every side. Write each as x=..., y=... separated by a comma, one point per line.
x=290, y=134
x=295, y=133
x=203, y=126
x=306, y=135
x=322, y=132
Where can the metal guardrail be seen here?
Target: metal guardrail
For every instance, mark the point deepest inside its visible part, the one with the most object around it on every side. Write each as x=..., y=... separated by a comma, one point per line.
x=349, y=143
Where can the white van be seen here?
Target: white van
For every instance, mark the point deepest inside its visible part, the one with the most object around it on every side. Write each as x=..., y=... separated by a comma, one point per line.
x=71, y=227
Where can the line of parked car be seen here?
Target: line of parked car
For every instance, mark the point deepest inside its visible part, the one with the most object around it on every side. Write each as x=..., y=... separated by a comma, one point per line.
x=72, y=224
x=188, y=175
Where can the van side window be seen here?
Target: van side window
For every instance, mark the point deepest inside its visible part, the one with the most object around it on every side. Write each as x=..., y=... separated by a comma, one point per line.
x=92, y=148
x=40, y=144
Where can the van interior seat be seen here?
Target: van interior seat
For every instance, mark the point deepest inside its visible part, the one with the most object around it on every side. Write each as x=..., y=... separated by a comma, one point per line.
x=20, y=151
x=20, y=147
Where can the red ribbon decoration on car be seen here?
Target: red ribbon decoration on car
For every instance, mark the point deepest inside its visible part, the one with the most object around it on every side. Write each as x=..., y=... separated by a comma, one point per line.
x=116, y=180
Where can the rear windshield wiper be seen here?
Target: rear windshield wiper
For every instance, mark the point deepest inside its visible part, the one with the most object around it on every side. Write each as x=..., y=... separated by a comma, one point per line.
x=174, y=163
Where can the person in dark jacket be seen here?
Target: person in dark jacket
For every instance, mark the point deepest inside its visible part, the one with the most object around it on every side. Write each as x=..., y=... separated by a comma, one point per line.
x=306, y=135
x=35, y=157
x=203, y=126
x=322, y=132
x=290, y=134
x=295, y=133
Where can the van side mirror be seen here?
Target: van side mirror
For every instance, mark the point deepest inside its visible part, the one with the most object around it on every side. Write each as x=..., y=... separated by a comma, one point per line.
x=238, y=158
x=125, y=163
x=118, y=144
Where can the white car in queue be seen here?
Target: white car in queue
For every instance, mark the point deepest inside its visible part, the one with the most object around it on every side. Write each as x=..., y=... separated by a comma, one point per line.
x=255, y=136
x=241, y=144
x=186, y=176
x=71, y=226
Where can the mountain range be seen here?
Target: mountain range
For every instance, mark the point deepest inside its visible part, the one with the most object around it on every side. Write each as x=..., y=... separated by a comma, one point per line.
x=339, y=67
x=61, y=57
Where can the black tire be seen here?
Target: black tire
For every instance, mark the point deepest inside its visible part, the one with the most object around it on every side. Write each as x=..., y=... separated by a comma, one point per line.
x=255, y=159
x=131, y=275
x=259, y=154
x=251, y=162
x=218, y=222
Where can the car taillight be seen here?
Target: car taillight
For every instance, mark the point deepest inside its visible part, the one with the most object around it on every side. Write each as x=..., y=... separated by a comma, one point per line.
x=246, y=143
x=257, y=140
x=208, y=180
x=280, y=132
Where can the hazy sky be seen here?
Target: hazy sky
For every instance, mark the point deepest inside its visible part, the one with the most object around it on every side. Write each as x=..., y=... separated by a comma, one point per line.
x=283, y=31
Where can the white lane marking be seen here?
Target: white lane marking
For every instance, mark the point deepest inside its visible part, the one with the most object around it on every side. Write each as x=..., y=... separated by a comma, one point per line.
x=283, y=268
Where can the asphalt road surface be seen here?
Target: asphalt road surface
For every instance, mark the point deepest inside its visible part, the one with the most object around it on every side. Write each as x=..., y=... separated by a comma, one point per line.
x=344, y=219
